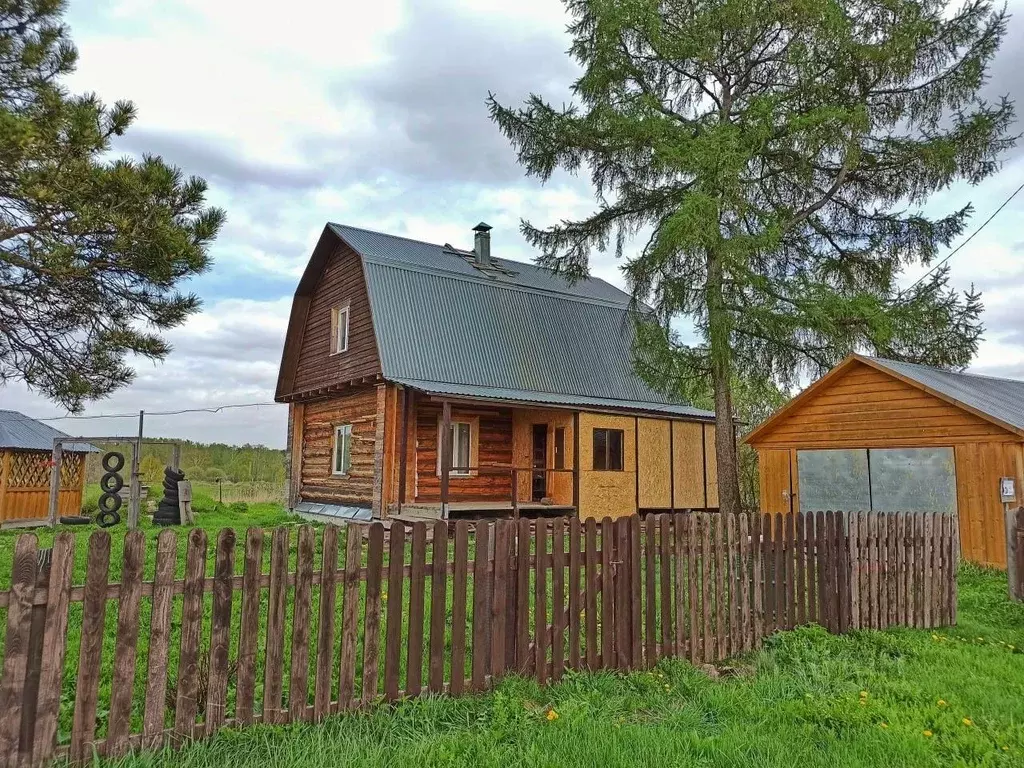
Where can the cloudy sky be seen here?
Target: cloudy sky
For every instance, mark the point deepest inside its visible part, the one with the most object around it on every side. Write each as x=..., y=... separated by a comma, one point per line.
x=373, y=114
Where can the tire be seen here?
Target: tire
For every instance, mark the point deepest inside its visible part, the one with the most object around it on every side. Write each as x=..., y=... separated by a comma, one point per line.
x=114, y=458
x=173, y=476
x=110, y=502
x=111, y=482
x=76, y=520
x=108, y=519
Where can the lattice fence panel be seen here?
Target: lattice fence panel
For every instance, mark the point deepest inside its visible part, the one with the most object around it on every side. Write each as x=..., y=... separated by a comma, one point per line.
x=31, y=469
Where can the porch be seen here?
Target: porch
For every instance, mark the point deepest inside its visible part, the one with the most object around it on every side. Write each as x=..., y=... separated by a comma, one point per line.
x=470, y=458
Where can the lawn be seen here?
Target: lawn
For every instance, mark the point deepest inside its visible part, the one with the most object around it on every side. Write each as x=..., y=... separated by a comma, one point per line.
x=894, y=698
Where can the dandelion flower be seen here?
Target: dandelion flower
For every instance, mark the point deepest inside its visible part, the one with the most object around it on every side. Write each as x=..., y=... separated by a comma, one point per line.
x=883, y=725
x=927, y=733
x=942, y=702
x=967, y=721
x=863, y=694
x=1005, y=748
x=552, y=715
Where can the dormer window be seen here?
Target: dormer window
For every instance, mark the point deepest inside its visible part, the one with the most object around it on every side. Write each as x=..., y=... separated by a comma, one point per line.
x=339, y=329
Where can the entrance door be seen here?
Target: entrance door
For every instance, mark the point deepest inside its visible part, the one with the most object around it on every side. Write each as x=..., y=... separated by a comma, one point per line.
x=539, y=487
x=776, y=482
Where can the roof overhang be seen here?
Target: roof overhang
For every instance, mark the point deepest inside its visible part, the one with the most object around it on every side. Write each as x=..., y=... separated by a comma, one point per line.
x=849, y=362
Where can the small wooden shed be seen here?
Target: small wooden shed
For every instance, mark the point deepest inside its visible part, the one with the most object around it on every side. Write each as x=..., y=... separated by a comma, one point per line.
x=26, y=447
x=883, y=435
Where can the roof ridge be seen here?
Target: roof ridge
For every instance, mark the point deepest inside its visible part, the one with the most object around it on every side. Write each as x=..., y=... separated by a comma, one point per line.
x=935, y=368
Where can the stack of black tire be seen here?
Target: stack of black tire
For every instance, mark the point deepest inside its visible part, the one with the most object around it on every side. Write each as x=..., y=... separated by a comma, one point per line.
x=168, y=512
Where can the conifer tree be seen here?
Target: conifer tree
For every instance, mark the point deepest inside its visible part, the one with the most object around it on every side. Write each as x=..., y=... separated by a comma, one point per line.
x=92, y=249
x=774, y=158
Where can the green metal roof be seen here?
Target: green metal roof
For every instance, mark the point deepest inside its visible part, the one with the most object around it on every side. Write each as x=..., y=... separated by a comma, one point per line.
x=513, y=332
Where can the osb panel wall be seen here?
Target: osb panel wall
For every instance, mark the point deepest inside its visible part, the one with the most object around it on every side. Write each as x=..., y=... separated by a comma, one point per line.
x=982, y=527
x=688, y=445
x=655, y=463
x=493, y=447
x=318, y=422
x=559, y=483
x=342, y=283
x=607, y=493
x=866, y=408
x=711, y=465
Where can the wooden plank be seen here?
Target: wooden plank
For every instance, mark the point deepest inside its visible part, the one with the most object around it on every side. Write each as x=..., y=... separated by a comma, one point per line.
x=883, y=569
x=575, y=595
x=325, y=624
x=393, y=630
x=811, y=543
x=350, y=616
x=859, y=607
x=623, y=614
x=820, y=569
x=679, y=536
x=731, y=586
x=371, y=616
x=899, y=521
x=665, y=568
x=438, y=608
x=16, y=646
x=910, y=526
x=558, y=598
x=591, y=588
x=522, y=627
x=650, y=606
x=746, y=577
x=540, y=600
x=191, y=631
x=54, y=647
x=248, y=633
x=127, y=639
x=500, y=582
x=298, y=679
x=919, y=570
x=481, y=605
x=873, y=569
x=721, y=639
x=458, y=664
x=94, y=609
x=891, y=568
x=274, y=654
x=757, y=577
x=417, y=585
x=801, y=569
x=607, y=594
x=220, y=631
x=843, y=572
x=779, y=572
x=636, y=590
x=692, y=553
x=707, y=645
x=791, y=558
x=928, y=574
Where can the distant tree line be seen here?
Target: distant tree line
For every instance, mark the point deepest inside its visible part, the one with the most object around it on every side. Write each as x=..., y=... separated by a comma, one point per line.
x=208, y=462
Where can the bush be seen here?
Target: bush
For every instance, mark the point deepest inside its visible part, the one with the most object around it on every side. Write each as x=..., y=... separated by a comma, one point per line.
x=239, y=507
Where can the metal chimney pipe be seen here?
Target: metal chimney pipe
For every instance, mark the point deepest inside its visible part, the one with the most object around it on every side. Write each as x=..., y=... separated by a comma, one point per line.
x=482, y=244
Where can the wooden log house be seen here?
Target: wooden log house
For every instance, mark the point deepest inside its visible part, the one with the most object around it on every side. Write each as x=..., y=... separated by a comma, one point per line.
x=433, y=380
x=890, y=436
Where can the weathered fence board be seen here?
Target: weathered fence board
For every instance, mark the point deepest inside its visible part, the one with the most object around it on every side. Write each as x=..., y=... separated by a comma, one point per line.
x=619, y=593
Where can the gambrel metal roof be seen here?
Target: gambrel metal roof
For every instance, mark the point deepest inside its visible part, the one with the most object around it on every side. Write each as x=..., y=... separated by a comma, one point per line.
x=513, y=331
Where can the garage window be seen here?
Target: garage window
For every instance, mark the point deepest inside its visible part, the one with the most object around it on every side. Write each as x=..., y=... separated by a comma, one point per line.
x=878, y=480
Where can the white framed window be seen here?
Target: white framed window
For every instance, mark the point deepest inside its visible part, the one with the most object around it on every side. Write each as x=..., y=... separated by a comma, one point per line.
x=461, y=438
x=339, y=329
x=341, y=461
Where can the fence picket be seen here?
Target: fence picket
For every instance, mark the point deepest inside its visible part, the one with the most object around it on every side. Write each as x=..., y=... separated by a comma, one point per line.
x=801, y=568
x=635, y=589
x=372, y=615
x=350, y=617
x=393, y=628
x=414, y=648
x=123, y=683
x=707, y=646
x=16, y=648
x=744, y=582
x=248, y=633
x=325, y=624
x=650, y=606
x=461, y=563
x=503, y=532
x=438, y=599
x=220, y=631
x=679, y=556
x=665, y=570
x=481, y=605
x=575, y=602
x=623, y=617
x=791, y=559
x=558, y=598
x=274, y=655
x=540, y=601
x=191, y=631
x=524, y=544
x=757, y=566
x=298, y=679
x=607, y=594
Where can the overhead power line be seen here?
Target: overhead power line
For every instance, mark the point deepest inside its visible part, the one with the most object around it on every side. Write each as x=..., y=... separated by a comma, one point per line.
x=135, y=414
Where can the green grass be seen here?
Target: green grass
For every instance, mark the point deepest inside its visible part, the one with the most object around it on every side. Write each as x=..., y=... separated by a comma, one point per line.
x=803, y=704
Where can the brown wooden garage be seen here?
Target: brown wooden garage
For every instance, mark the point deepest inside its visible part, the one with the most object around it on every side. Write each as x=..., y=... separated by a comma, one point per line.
x=893, y=436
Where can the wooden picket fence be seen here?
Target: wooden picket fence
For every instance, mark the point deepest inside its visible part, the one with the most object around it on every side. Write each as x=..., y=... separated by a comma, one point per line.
x=445, y=608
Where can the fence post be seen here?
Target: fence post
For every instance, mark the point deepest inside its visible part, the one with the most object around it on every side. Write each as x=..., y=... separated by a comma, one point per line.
x=1015, y=552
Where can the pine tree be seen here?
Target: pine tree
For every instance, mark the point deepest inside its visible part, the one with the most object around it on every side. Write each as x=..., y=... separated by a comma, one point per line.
x=774, y=157
x=92, y=250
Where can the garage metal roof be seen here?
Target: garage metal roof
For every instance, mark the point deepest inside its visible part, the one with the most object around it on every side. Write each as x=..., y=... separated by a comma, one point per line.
x=513, y=332
x=1001, y=399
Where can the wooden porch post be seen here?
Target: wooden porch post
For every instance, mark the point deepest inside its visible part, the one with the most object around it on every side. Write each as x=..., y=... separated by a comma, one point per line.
x=56, y=458
x=446, y=454
x=403, y=458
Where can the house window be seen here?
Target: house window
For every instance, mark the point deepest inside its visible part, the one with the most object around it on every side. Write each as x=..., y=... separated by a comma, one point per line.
x=460, y=448
x=559, y=447
x=342, y=460
x=339, y=330
x=608, y=449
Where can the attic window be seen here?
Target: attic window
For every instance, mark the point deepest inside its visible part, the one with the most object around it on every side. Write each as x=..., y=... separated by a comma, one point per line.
x=339, y=329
